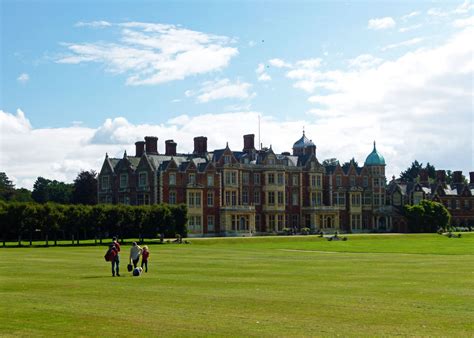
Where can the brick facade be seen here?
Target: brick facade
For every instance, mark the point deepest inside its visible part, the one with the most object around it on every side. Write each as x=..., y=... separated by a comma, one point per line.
x=258, y=191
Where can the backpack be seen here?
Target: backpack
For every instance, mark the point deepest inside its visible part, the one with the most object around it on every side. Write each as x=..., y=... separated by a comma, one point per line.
x=110, y=255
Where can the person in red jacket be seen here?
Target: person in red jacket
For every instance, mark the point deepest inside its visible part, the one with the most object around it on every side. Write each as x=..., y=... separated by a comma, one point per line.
x=145, y=255
x=116, y=260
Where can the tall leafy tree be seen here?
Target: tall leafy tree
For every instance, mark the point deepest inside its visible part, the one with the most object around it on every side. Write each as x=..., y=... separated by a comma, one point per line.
x=428, y=216
x=7, y=189
x=346, y=165
x=85, y=188
x=45, y=190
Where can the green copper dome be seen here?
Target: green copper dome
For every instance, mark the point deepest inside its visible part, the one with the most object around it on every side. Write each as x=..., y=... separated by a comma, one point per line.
x=374, y=158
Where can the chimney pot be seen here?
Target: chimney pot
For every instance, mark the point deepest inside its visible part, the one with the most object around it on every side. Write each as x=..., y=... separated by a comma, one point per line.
x=151, y=145
x=200, y=145
x=471, y=178
x=441, y=176
x=139, y=148
x=457, y=177
x=170, y=147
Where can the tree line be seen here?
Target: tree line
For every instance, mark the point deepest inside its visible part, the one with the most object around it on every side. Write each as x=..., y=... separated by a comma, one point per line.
x=51, y=222
x=82, y=191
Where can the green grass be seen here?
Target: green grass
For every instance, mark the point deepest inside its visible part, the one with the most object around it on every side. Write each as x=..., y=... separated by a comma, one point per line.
x=370, y=285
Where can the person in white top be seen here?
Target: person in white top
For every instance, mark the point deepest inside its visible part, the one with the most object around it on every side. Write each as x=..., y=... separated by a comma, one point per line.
x=135, y=252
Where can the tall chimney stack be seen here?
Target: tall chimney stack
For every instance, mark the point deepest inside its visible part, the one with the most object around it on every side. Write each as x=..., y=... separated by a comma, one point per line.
x=424, y=176
x=249, y=142
x=200, y=145
x=457, y=177
x=441, y=176
x=471, y=178
x=139, y=148
x=170, y=147
x=151, y=145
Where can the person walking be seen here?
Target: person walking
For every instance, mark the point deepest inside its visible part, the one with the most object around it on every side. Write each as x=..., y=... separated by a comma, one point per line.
x=116, y=259
x=135, y=252
x=145, y=255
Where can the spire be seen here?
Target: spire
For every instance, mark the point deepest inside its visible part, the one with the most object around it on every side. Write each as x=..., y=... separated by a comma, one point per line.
x=106, y=155
x=124, y=154
x=374, y=146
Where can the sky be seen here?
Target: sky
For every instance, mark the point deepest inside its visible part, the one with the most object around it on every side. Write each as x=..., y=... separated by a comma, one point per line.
x=82, y=78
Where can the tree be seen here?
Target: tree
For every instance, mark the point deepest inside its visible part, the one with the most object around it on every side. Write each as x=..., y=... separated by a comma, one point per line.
x=330, y=162
x=346, y=165
x=45, y=190
x=411, y=173
x=7, y=189
x=428, y=216
x=85, y=188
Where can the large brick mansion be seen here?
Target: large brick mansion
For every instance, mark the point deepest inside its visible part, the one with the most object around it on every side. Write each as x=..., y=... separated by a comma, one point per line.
x=258, y=191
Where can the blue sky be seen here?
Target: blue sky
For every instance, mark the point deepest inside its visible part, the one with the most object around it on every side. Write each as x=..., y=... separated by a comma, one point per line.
x=106, y=73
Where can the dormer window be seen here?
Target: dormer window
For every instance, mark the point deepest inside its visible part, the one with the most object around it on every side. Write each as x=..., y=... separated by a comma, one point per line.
x=105, y=182
x=271, y=161
x=192, y=178
x=142, y=179
x=172, y=179
x=227, y=159
x=123, y=180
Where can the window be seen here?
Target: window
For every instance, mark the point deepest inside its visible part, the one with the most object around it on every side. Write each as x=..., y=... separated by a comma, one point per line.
x=245, y=178
x=376, y=182
x=227, y=159
x=294, y=198
x=367, y=198
x=256, y=179
x=227, y=198
x=313, y=199
x=194, y=224
x=352, y=181
x=338, y=181
x=377, y=199
x=466, y=205
x=190, y=199
x=105, y=182
x=210, y=198
x=123, y=180
x=256, y=197
x=192, y=179
x=271, y=161
x=271, y=197
x=339, y=198
x=417, y=197
x=172, y=197
x=143, y=199
x=280, y=222
x=280, y=179
x=210, y=180
x=142, y=179
x=355, y=200
x=194, y=199
x=365, y=181
x=230, y=178
x=294, y=179
x=271, y=222
x=319, y=198
x=210, y=223
x=313, y=180
x=318, y=181
x=356, y=221
x=172, y=179
x=245, y=197
x=234, y=198
x=458, y=204
x=280, y=198
x=270, y=178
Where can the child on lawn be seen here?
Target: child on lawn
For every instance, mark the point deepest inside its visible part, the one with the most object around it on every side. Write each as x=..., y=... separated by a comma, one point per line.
x=145, y=255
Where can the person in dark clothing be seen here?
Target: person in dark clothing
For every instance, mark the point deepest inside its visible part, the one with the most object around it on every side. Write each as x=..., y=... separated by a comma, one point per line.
x=116, y=260
x=145, y=255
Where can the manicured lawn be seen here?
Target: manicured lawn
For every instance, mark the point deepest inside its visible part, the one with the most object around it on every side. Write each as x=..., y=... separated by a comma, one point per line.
x=370, y=285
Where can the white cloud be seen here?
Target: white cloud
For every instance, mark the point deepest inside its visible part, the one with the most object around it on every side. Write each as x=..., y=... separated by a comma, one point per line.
x=94, y=24
x=465, y=7
x=149, y=53
x=221, y=89
x=409, y=28
x=279, y=63
x=262, y=76
x=438, y=12
x=405, y=43
x=364, y=61
x=422, y=98
x=461, y=23
x=410, y=15
x=23, y=78
x=381, y=23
